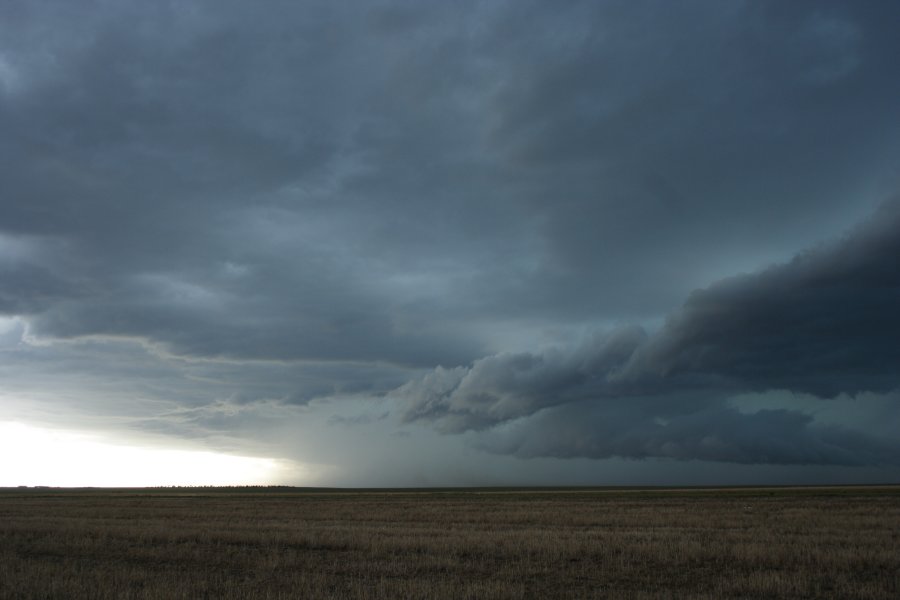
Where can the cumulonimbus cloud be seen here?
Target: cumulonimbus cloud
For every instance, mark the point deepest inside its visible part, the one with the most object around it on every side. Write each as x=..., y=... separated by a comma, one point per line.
x=825, y=323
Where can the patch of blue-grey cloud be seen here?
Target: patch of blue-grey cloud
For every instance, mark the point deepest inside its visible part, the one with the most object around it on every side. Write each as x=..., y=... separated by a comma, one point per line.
x=209, y=210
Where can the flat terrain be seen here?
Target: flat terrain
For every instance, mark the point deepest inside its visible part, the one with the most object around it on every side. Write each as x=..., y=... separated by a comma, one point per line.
x=579, y=543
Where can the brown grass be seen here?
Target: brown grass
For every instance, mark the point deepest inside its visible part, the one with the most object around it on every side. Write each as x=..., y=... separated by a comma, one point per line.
x=805, y=543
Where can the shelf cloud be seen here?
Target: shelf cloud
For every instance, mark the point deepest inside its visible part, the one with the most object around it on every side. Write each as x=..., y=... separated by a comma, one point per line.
x=824, y=323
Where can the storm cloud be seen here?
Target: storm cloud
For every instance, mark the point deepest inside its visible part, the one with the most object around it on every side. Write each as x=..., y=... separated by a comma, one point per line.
x=825, y=323
x=244, y=224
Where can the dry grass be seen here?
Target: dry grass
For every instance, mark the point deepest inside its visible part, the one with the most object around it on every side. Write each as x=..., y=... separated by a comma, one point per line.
x=813, y=543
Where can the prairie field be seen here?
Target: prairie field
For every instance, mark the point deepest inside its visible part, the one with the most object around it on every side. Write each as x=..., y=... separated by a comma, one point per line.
x=562, y=543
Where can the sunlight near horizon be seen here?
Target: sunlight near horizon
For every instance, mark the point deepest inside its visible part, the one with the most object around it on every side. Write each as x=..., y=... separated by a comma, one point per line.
x=48, y=457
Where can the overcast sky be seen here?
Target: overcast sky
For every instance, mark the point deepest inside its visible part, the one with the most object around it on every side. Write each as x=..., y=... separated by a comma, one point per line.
x=452, y=243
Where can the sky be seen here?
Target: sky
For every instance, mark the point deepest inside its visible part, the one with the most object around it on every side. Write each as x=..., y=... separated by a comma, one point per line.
x=449, y=243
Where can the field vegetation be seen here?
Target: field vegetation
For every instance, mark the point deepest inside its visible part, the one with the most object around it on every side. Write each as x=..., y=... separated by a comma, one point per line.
x=282, y=543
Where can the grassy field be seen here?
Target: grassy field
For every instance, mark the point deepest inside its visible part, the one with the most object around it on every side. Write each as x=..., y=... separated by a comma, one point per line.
x=732, y=543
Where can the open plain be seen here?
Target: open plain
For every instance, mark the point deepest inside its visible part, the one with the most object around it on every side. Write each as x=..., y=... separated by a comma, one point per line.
x=489, y=543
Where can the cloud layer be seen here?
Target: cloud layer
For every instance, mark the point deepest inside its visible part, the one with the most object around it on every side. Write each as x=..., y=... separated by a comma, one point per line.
x=213, y=212
x=825, y=323
x=395, y=182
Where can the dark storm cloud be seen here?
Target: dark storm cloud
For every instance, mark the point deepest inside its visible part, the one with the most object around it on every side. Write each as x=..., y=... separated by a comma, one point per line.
x=277, y=203
x=367, y=182
x=825, y=323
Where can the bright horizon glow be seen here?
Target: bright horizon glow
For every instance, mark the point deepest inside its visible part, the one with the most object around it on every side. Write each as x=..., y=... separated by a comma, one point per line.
x=47, y=457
